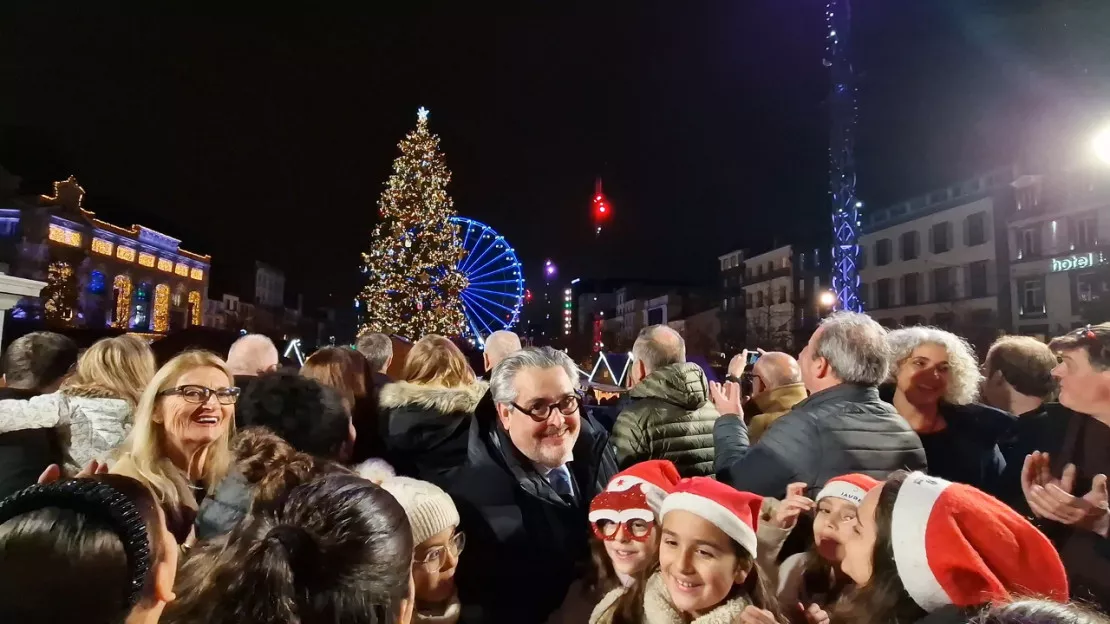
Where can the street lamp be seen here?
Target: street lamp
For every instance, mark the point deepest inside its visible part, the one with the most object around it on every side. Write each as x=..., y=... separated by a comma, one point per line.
x=827, y=299
x=1101, y=145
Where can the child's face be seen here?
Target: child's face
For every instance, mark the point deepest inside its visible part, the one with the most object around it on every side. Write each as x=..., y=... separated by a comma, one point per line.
x=630, y=556
x=831, y=527
x=433, y=574
x=859, y=547
x=699, y=563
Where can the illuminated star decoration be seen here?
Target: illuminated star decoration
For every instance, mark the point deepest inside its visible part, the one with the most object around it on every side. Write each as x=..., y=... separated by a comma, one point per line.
x=421, y=114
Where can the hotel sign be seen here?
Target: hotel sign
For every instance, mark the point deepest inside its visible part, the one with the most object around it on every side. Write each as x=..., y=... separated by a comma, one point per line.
x=1077, y=261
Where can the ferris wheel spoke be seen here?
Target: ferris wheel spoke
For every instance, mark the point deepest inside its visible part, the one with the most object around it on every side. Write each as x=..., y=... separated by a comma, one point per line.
x=492, y=282
x=476, y=314
x=504, y=269
x=491, y=261
x=487, y=300
x=475, y=258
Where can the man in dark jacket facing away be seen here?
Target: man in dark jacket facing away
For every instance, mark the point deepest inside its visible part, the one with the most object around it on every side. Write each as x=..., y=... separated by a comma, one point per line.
x=842, y=427
x=524, y=493
x=670, y=416
x=34, y=364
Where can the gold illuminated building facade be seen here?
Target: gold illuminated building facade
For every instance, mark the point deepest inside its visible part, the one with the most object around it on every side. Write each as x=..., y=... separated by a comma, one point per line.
x=99, y=274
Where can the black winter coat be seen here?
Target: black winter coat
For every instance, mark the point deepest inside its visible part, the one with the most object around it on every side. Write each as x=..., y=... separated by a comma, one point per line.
x=427, y=427
x=843, y=429
x=525, y=544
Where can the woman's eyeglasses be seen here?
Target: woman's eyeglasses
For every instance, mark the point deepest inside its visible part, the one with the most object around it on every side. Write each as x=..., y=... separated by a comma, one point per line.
x=608, y=530
x=435, y=557
x=201, y=394
x=567, y=406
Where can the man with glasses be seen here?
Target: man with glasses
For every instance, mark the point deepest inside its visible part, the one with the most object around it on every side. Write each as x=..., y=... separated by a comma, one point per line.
x=776, y=382
x=525, y=490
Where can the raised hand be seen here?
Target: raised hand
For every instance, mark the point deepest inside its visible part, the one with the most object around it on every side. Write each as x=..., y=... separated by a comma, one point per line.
x=726, y=398
x=815, y=614
x=794, y=505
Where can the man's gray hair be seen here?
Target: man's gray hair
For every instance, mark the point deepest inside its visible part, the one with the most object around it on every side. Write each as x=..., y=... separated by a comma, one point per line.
x=855, y=347
x=503, y=380
x=377, y=348
x=658, y=346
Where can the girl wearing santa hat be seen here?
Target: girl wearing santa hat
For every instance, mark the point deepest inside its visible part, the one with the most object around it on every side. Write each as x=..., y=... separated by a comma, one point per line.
x=707, y=572
x=926, y=549
x=812, y=581
x=624, y=518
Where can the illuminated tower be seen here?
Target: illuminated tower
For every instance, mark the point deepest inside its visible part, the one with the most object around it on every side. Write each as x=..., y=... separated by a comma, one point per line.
x=842, y=165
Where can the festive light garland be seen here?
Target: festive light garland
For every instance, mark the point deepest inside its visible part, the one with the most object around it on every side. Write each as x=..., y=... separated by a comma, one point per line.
x=413, y=287
x=60, y=293
x=101, y=246
x=161, y=308
x=122, y=286
x=195, y=317
x=146, y=259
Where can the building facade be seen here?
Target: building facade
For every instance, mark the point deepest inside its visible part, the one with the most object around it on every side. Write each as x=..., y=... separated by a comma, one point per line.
x=783, y=291
x=99, y=274
x=732, y=310
x=1059, y=275
x=940, y=258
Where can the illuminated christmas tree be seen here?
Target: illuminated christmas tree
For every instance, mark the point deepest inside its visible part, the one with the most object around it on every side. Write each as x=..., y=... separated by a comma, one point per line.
x=60, y=293
x=413, y=285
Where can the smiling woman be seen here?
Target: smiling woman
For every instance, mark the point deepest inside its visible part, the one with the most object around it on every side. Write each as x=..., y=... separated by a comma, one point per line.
x=179, y=446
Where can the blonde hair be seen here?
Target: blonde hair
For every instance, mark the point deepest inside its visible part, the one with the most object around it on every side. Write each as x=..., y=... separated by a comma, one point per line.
x=118, y=368
x=435, y=360
x=146, y=446
x=964, y=378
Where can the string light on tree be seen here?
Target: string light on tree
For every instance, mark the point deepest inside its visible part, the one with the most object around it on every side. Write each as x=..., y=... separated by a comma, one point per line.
x=60, y=293
x=413, y=284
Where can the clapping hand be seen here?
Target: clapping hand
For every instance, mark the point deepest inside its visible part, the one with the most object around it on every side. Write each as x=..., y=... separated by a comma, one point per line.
x=53, y=472
x=726, y=398
x=795, y=504
x=815, y=614
x=1052, y=498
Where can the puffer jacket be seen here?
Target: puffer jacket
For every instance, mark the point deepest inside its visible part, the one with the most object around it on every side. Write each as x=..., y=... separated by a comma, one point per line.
x=427, y=427
x=89, y=427
x=670, y=417
x=839, y=430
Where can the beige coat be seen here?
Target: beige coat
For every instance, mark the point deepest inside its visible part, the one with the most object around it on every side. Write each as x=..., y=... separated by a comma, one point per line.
x=772, y=405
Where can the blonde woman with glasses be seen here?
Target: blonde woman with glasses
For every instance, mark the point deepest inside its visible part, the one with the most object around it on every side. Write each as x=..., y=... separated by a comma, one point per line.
x=92, y=411
x=179, y=446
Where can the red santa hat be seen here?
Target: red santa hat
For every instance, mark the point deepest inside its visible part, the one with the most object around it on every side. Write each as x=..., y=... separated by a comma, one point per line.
x=849, y=487
x=956, y=545
x=636, y=493
x=734, y=512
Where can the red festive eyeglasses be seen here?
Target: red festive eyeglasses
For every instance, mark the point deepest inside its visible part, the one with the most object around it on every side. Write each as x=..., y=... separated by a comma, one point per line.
x=609, y=530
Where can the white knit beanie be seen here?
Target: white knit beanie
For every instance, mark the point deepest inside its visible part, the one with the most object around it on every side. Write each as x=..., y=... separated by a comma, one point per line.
x=430, y=509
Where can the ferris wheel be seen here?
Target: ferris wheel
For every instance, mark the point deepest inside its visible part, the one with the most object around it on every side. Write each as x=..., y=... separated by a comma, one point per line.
x=494, y=296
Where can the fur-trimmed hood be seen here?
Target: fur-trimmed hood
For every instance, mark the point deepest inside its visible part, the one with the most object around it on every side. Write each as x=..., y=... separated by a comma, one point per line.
x=446, y=400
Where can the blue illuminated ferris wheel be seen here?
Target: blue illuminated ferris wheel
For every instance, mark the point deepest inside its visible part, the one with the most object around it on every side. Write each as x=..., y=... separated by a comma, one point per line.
x=493, y=299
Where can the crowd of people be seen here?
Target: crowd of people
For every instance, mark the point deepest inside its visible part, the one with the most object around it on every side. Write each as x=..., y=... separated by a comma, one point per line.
x=878, y=477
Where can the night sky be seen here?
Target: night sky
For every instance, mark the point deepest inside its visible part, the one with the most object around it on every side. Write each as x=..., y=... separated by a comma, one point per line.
x=269, y=136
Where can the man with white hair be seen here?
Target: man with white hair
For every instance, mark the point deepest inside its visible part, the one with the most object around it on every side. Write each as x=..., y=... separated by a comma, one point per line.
x=378, y=350
x=843, y=427
x=670, y=415
x=498, y=346
x=524, y=492
x=250, y=356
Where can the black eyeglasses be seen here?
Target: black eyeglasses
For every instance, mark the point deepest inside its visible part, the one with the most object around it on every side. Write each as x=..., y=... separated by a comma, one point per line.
x=201, y=394
x=567, y=406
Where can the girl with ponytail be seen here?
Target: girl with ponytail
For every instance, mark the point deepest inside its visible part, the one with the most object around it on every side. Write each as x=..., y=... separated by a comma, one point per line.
x=336, y=549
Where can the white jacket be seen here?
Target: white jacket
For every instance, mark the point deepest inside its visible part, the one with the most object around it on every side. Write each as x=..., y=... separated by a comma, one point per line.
x=89, y=427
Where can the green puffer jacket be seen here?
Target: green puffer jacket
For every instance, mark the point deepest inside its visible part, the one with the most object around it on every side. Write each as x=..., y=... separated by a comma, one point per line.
x=672, y=418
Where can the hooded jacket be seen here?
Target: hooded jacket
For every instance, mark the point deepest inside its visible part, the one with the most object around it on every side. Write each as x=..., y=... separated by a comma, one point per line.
x=89, y=426
x=670, y=417
x=659, y=610
x=427, y=426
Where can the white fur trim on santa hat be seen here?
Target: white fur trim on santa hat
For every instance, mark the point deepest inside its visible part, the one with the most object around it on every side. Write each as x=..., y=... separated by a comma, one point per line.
x=717, y=514
x=909, y=524
x=653, y=493
x=624, y=515
x=843, y=490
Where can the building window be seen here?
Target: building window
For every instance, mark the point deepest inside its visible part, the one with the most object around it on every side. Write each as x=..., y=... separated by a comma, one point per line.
x=1029, y=243
x=913, y=319
x=770, y=266
x=197, y=274
x=1086, y=232
x=181, y=269
x=978, y=278
x=976, y=229
x=909, y=244
x=882, y=293
x=861, y=259
x=882, y=252
x=146, y=259
x=96, y=283
x=749, y=301
x=65, y=236
x=911, y=287
x=782, y=294
x=125, y=253
x=1031, y=297
x=944, y=320
x=749, y=273
x=165, y=265
x=101, y=246
x=724, y=304
x=941, y=242
x=944, y=287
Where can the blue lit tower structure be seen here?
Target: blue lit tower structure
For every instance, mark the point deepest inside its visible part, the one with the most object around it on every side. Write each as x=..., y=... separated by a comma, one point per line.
x=842, y=164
